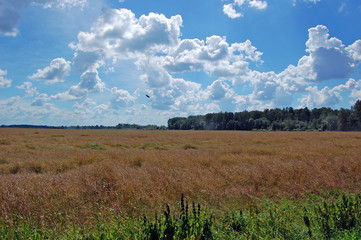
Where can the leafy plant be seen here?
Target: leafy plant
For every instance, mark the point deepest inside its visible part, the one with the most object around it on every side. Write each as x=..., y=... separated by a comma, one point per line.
x=345, y=214
x=185, y=225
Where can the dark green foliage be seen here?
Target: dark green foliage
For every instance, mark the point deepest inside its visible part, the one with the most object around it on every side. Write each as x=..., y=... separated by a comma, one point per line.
x=287, y=119
x=307, y=222
x=315, y=219
x=345, y=214
x=236, y=222
x=184, y=225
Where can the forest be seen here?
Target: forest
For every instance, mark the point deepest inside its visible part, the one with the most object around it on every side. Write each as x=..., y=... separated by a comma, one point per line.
x=286, y=119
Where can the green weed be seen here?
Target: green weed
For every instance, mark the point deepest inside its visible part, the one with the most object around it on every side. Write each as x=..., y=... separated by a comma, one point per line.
x=94, y=146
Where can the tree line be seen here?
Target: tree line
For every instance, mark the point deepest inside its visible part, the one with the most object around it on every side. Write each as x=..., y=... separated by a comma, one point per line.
x=286, y=119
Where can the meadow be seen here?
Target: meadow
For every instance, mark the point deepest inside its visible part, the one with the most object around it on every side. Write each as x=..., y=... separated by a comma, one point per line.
x=54, y=180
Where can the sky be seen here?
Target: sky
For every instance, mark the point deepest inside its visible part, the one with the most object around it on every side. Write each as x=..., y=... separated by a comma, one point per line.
x=92, y=62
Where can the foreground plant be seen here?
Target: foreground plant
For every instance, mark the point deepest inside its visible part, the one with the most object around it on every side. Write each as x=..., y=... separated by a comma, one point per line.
x=315, y=219
x=185, y=225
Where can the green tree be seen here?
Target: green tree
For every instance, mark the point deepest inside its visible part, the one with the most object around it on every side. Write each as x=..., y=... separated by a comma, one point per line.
x=357, y=109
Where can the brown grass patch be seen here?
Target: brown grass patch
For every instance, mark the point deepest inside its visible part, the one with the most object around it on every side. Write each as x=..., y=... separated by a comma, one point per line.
x=85, y=172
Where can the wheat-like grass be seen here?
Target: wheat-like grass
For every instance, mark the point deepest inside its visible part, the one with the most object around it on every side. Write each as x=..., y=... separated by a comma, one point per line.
x=72, y=175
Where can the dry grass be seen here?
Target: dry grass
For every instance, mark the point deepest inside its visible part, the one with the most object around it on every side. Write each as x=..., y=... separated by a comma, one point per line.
x=71, y=175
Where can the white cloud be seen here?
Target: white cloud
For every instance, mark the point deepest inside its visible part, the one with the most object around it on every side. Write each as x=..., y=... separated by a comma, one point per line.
x=178, y=95
x=40, y=100
x=10, y=11
x=86, y=103
x=155, y=76
x=90, y=83
x=154, y=43
x=231, y=9
x=61, y=3
x=100, y=109
x=58, y=69
x=215, y=56
x=320, y=98
x=218, y=90
x=122, y=98
x=118, y=33
x=312, y=1
x=353, y=85
x=355, y=52
x=4, y=83
x=258, y=4
x=342, y=7
x=330, y=97
x=328, y=59
x=84, y=61
x=29, y=89
x=8, y=102
x=306, y=1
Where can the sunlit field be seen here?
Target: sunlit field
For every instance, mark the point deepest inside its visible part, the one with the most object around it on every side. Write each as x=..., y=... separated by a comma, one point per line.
x=54, y=176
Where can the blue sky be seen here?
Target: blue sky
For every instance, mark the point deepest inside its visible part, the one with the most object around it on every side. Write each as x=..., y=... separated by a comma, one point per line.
x=88, y=62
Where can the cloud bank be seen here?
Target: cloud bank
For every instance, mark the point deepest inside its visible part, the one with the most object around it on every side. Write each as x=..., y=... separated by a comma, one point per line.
x=10, y=12
x=162, y=59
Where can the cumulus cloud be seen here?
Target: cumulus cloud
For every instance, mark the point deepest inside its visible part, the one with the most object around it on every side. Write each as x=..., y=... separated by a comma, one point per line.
x=40, y=100
x=4, y=83
x=88, y=60
x=10, y=11
x=320, y=98
x=153, y=42
x=90, y=83
x=330, y=97
x=354, y=51
x=231, y=9
x=214, y=56
x=118, y=33
x=100, y=109
x=58, y=69
x=178, y=95
x=327, y=59
x=29, y=89
x=155, y=76
x=218, y=90
x=122, y=98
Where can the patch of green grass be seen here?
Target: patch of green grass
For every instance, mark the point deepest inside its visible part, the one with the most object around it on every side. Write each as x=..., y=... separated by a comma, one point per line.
x=312, y=219
x=189, y=146
x=94, y=146
x=154, y=145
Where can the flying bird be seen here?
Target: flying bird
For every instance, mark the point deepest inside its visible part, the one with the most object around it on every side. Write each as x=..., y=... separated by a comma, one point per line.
x=147, y=95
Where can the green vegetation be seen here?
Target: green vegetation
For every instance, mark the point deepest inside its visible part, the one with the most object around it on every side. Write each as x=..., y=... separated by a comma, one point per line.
x=287, y=119
x=335, y=216
x=94, y=146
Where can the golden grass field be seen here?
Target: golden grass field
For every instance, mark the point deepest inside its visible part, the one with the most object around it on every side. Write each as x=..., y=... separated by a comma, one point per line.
x=60, y=175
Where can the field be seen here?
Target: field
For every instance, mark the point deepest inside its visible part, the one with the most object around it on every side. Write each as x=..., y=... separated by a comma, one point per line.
x=56, y=178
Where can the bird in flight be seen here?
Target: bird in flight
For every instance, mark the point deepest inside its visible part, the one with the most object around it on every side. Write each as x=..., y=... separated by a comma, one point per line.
x=147, y=95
